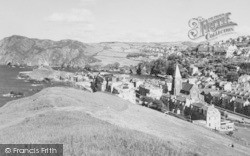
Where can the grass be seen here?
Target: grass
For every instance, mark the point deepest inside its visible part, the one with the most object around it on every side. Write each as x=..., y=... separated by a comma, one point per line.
x=82, y=134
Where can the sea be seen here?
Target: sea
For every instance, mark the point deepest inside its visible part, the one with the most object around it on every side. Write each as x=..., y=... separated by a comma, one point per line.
x=10, y=81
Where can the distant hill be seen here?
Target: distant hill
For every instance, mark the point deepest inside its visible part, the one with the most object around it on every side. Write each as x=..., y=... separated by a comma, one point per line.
x=22, y=50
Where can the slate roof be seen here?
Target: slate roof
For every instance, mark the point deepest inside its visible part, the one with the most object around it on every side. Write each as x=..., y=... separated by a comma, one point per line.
x=227, y=97
x=180, y=98
x=198, y=104
x=187, y=86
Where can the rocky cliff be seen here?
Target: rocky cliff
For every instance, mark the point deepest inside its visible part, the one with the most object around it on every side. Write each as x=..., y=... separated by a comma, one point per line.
x=19, y=50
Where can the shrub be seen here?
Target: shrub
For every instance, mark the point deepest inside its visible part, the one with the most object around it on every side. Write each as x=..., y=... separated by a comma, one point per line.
x=157, y=105
x=146, y=100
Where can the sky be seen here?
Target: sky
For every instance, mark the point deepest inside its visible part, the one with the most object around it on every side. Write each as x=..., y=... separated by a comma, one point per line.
x=114, y=20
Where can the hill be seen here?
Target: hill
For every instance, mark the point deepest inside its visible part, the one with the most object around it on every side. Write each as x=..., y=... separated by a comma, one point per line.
x=88, y=125
x=21, y=50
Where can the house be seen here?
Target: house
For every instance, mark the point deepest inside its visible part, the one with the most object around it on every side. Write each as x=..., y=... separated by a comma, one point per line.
x=143, y=91
x=186, y=88
x=125, y=91
x=114, y=85
x=165, y=88
x=192, y=80
x=181, y=100
x=230, y=51
x=213, y=117
x=124, y=77
x=138, y=83
x=213, y=97
x=191, y=92
x=194, y=70
x=207, y=112
x=199, y=107
x=155, y=92
x=227, y=86
x=213, y=75
x=244, y=78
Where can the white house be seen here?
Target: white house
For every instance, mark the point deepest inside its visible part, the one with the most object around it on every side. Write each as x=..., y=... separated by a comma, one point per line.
x=213, y=118
x=230, y=51
x=228, y=86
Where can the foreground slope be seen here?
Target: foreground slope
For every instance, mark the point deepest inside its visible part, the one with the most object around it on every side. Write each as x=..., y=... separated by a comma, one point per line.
x=95, y=123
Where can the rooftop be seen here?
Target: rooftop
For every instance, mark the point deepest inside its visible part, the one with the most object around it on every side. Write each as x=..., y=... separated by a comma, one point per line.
x=186, y=86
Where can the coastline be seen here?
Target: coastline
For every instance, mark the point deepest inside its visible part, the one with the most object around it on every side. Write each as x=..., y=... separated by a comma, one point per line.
x=16, y=83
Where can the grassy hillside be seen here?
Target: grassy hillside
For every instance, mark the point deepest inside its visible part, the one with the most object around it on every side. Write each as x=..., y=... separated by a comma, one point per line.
x=82, y=134
x=98, y=123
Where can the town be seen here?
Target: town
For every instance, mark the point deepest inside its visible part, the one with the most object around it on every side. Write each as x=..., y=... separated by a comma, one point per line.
x=201, y=96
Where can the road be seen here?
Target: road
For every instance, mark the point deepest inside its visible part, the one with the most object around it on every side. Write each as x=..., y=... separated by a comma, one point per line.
x=234, y=116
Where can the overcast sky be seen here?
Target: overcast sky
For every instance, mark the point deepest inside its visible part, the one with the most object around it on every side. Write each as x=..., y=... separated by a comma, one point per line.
x=114, y=20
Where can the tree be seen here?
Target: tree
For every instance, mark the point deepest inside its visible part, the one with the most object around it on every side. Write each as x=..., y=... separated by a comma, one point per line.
x=187, y=111
x=157, y=105
x=171, y=105
x=116, y=65
x=232, y=76
x=246, y=110
x=138, y=71
x=197, y=116
x=230, y=133
x=184, y=73
x=159, y=66
x=146, y=100
x=171, y=69
x=230, y=106
x=166, y=102
x=174, y=57
x=87, y=67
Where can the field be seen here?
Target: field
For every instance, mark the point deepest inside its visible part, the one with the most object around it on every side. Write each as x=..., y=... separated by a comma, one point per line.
x=97, y=123
x=82, y=134
x=242, y=133
x=110, y=53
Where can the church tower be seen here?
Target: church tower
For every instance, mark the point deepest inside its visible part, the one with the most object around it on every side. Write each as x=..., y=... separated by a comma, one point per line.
x=177, y=81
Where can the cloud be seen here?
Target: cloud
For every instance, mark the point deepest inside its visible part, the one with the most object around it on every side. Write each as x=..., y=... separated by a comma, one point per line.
x=74, y=15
